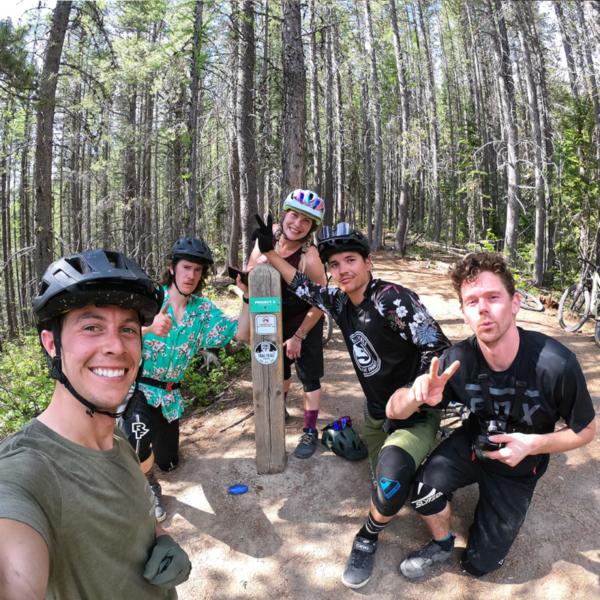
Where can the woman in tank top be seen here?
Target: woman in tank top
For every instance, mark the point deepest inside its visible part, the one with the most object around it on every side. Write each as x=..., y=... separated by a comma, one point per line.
x=301, y=216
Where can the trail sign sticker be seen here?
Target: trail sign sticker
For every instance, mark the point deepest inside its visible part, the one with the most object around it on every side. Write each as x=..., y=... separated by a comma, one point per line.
x=265, y=324
x=265, y=305
x=266, y=353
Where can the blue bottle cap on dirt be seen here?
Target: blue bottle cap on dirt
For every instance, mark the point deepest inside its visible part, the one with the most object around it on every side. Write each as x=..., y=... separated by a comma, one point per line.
x=240, y=488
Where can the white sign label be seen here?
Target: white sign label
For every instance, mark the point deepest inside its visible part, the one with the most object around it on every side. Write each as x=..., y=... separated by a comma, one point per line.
x=266, y=353
x=265, y=324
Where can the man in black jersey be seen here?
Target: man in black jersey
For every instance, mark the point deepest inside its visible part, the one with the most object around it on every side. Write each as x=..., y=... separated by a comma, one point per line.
x=392, y=339
x=515, y=382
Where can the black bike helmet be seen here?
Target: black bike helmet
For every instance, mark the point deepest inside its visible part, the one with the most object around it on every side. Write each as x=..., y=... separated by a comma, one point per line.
x=341, y=238
x=192, y=249
x=100, y=278
x=344, y=442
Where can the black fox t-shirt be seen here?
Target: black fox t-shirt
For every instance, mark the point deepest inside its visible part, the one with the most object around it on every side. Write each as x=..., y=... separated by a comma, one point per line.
x=556, y=387
x=390, y=335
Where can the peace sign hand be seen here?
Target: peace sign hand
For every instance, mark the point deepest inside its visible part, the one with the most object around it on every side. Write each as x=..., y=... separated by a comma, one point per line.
x=429, y=388
x=264, y=234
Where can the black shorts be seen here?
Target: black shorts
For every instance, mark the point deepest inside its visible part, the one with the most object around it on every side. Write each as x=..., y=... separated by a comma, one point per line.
x=503, y=500
x=310, y=364
x=148, y=431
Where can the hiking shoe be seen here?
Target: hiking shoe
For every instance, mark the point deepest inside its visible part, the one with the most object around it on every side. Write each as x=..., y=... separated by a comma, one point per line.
x=419, y=563
x=161, y=513
x=308, y=443
x=360, y=564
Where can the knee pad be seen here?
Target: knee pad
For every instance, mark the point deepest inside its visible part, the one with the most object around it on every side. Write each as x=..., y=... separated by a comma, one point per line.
x=311, y=386
x=394, y=471
x=428, y=501
x=140, y=434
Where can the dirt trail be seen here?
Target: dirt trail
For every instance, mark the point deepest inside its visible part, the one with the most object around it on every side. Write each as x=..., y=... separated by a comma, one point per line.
x=290, y=535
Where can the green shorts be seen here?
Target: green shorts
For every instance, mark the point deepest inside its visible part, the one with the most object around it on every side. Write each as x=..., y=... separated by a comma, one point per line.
x=417, y=440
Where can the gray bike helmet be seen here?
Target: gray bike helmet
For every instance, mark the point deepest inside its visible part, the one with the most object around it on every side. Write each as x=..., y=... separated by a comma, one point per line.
x=344, y=442
x=193, y=249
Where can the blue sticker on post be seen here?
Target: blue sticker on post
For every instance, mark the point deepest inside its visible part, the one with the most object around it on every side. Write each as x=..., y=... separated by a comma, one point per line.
x=265, y=305
x=240, y=488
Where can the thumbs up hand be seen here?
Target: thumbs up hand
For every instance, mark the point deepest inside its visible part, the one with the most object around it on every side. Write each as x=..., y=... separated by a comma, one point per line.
x=162, y=322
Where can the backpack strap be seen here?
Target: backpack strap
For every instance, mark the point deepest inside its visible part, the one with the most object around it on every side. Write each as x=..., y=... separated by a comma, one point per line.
x=521, y=380
x=522, y=359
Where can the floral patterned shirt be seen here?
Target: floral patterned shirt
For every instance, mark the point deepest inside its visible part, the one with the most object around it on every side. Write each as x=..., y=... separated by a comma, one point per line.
x=167, y=359
x=391, y=336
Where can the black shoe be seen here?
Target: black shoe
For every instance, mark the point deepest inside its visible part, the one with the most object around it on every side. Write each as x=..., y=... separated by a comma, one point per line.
x=360, y=564
x=308, y=443
x=419, y=563
x=160, y=512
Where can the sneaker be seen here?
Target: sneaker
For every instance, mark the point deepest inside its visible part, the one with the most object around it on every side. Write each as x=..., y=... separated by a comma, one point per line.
x=419, y=563
x=308, y=443
x=161, y=513
x=360, y=564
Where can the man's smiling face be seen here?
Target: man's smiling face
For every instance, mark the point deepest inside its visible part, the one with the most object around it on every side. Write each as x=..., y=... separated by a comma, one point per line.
x=101, y=351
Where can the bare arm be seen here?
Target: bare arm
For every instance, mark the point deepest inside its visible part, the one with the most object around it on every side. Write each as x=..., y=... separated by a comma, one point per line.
x=315, y=272
x=243, y=330
x=520, y=445
x=24, y=562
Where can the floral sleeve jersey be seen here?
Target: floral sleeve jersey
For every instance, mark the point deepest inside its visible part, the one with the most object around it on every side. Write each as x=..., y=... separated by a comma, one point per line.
x=408, y=317
x=166, y=359
x=400, y=307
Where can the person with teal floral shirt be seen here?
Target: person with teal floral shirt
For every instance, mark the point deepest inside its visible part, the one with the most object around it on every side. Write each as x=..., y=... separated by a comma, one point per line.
x=185, y=323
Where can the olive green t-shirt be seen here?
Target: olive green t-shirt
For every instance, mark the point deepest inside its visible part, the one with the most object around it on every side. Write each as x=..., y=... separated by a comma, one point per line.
x=93, y=508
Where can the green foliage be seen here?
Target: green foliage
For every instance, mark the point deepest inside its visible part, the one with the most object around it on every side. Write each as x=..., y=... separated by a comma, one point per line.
x=203, y=385
x=15, y=67
x=25, y=388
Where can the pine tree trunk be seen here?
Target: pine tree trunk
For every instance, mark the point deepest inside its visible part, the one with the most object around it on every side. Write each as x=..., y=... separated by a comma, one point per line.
x=536, y=132
x=246, y=127
x=233, y=166
x=402, y=228
x=190, y=220
x=315, y=126
x=375, y=109
x=507, y=98
x=329, y=127
x=294, y=98
x=44, y=231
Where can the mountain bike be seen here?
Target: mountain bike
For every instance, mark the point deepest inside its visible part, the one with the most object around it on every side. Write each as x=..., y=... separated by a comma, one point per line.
x=581, y=301
x=529, y=301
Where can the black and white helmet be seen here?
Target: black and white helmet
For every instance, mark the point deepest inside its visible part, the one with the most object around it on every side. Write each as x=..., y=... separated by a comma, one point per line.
x=341, y=238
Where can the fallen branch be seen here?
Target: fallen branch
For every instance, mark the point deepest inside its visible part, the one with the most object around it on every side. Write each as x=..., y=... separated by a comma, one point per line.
x=237, y=422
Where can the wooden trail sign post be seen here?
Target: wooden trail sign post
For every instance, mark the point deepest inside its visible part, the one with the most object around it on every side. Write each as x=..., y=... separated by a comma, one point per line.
x=267, y=368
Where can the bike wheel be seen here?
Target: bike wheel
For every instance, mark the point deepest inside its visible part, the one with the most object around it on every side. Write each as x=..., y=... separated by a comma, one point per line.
x=574, y=308
x=327, y=329
x=597, y=333
x=529, y=301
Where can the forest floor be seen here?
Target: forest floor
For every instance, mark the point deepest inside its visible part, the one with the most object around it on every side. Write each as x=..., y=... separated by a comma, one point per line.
x=291, y=534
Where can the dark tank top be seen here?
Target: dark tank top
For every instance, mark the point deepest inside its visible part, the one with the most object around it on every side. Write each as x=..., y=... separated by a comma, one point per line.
x=293, y=309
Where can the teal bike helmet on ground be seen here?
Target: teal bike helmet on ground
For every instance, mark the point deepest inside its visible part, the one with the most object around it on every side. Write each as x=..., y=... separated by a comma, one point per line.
x=344, y=442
